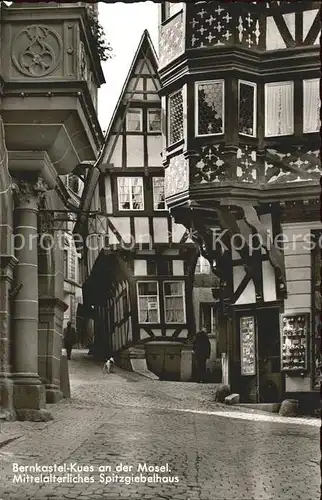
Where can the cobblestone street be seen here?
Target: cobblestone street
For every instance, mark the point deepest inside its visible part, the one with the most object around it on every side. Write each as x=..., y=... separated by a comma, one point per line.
x=213, y=452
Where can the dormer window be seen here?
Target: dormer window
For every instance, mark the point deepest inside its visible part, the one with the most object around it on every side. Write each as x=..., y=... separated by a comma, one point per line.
x=134, y=122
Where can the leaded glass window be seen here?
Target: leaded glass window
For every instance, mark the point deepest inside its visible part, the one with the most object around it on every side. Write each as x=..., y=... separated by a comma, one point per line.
x=175, y=113
x=279, y=109
x=311, y=105
x=130, y=193
x=209, y=107
x=174, y=307
x=158, y=193
x=148, y=302
x=247, y=108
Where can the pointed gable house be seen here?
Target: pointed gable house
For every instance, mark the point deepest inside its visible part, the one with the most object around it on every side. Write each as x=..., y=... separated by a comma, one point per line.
x=140, y=285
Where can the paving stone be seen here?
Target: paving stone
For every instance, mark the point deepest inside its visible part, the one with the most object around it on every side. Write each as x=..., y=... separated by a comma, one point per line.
x=217, y=453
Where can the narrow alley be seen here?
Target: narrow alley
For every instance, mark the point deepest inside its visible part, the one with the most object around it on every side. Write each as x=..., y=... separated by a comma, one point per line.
x=129, y=426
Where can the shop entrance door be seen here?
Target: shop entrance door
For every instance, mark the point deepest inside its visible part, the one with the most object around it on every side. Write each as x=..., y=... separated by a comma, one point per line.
x=269, y=364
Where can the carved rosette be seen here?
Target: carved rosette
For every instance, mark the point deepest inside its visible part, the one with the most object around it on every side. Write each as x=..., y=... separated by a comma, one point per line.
x=176, y=177
x=24, y=191
x=247, y=167
x=36, y=50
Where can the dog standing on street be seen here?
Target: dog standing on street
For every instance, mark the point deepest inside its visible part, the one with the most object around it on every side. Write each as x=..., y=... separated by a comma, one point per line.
x=109, y=366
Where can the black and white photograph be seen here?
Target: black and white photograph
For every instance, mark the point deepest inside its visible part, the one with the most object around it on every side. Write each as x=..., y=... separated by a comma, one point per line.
x=160, y=250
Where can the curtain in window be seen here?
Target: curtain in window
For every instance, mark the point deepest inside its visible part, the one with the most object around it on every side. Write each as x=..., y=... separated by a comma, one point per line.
x=279, y=112
x=148, y=302
x=137, y=193
x=311, y=105
x=173, y=302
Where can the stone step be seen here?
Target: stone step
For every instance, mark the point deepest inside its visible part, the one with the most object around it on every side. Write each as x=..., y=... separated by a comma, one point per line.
x=268, y=407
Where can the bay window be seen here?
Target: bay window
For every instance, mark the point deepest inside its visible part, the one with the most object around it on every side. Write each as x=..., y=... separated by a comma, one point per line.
x=158, y=193
x=174, y=302
x=148, y=302
x=130, y=193
x=247, y=108
x=279, y=109
x=209, y=108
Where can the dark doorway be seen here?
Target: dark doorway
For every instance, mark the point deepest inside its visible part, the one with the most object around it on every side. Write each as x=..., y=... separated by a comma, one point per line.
x=269, y=361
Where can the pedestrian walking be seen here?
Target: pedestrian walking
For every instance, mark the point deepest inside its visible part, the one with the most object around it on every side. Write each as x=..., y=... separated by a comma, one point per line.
x=202, y=348
x=69, y=339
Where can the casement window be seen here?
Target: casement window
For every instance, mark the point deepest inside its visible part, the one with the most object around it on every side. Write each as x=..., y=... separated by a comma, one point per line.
x=247, y=99
x=209, y=108
x=158, y=193
x=130, y=193
x=202, y=266
x=148, y=302
x=279, y=109
x=311, y=105
x=151, y=267
x=154, y=120
x=134, y=121
x=175, y=117
x=174, y=301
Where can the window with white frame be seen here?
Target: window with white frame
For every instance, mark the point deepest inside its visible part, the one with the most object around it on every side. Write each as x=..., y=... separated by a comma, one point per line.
x=209, y=108
x=279, y=109
x=247, y=108
x=311, y=105
x=148, y=301
x=130, y=193
x=158, y=193
x=175, y=117
x=174, y=302
x=202, y=266
x=134, y=122
x=154, y=120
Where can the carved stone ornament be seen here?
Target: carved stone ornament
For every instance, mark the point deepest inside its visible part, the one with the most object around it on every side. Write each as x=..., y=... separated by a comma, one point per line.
x=176, y=176
x=23, y=190
x=36, y=50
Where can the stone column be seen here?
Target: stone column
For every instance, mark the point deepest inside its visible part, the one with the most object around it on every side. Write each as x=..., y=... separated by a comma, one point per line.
x=29, y=392
x=6, y=388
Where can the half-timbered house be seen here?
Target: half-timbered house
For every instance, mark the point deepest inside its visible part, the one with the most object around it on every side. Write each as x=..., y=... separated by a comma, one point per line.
x=140, y=269
x=240, y=93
